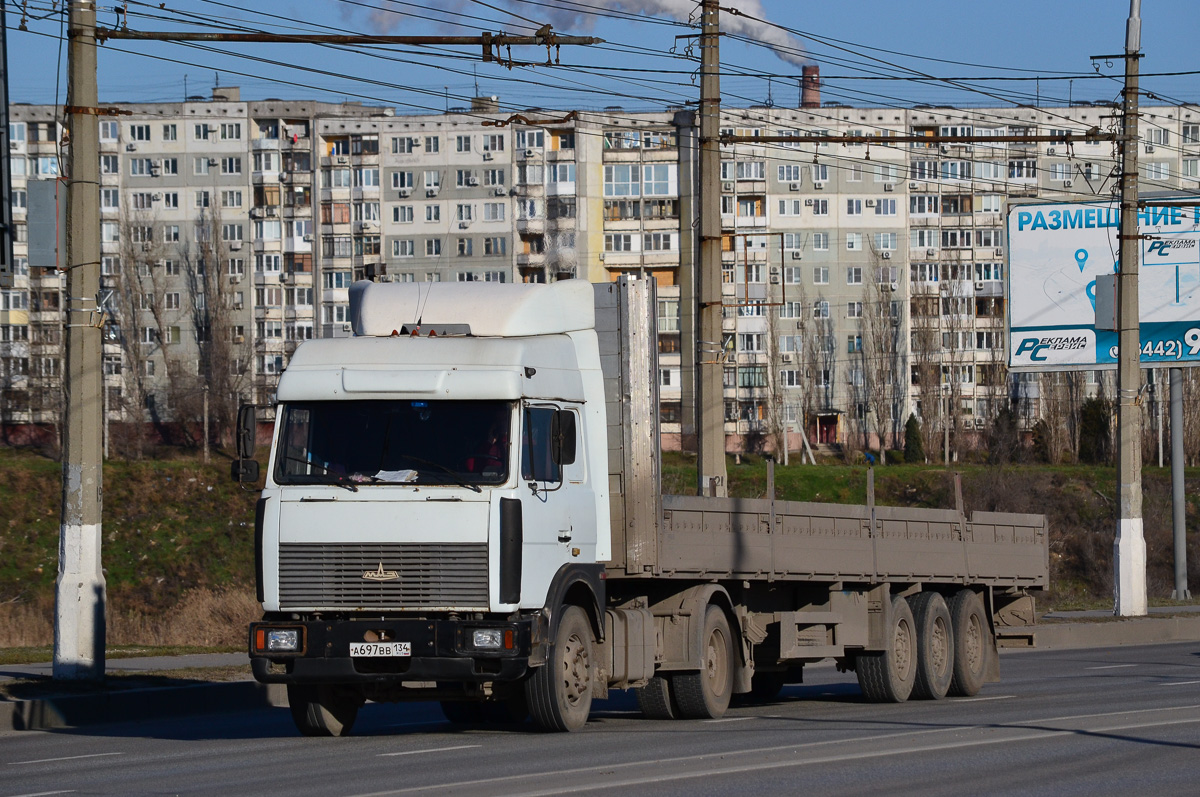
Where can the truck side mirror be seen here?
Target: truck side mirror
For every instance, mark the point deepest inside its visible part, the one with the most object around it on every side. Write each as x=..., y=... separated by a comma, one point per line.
x=244, y=469
x=247, y=431
x=562, y=437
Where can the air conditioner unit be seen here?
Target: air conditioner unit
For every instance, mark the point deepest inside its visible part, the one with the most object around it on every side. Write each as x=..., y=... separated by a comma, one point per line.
x=499, y=191
x=308, y=238
x=284, y=177
x=793, y=186
x=155, y=197
x=235, y=279
x=799, y=325
x=529, y=153
x=146, y=246
x=727, y=186
x=914, y=186
x=820, y=184
x=239, y=338
x=870, y=203
x=14, y=145
x=462, y=225
x=886, y=255
x=131, y=147
x=235, y=245
x=345, y=327
x=472, y=180
x=808, y=203
x=342, y=160
x=895, y=286
x=797, y=255
x=978, y=286
x=945, y=149
x=431, y=192
x=979, y=423
x=212, y=161
x=930, y=252
x=1149, y=148
x=786, y=357
x=1067, y=183
x=487, y=156
x=895, y=321
x=1000, y=251
x=272, y=210
x=283, y=276
x=405, y=192
x=237, y=305
x=1051, y=151
x=256, y=213
x=889, y=187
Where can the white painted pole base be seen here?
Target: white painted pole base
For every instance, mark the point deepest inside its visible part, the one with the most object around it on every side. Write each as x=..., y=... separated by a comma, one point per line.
x=1129, y=559
x=79, y=607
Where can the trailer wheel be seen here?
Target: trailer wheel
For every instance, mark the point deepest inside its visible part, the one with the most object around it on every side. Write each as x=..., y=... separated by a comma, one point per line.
x=560, y=691
x=705, y=694
x=887, y=676
x=656, y=699
x=972, y=643
x=935, y=646
x=323, y=710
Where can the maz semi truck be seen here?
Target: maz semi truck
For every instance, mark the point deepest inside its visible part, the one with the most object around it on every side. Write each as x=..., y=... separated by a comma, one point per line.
x=463, y=504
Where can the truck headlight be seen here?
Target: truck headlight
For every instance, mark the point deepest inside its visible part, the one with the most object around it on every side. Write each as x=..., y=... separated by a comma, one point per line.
x=282, y=640
x=487, y=638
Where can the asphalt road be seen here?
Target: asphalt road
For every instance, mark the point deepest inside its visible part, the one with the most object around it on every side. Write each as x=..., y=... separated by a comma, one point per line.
x=1089, y=722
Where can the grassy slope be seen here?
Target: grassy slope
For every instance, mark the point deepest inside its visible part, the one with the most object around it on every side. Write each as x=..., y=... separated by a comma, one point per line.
x=172, y=526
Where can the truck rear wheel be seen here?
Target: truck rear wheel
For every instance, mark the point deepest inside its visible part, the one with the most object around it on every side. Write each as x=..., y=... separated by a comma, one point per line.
x=656, y=700
x=972, y=643
x=887, y=676
x=935, y=646
x=705, y=694
x=323, y=710
x=560, y=691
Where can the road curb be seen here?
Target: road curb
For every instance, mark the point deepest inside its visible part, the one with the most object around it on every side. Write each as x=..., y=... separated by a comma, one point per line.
x=72, y=711
x=1114, y=633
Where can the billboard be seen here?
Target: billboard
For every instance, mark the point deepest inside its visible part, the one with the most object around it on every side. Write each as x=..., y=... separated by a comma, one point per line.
x=1055, y=253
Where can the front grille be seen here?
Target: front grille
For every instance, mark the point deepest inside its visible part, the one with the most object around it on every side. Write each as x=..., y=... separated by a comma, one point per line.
x=452, y=575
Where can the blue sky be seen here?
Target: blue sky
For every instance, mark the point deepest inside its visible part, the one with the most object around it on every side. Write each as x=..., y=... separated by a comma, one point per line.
x=1015, y=39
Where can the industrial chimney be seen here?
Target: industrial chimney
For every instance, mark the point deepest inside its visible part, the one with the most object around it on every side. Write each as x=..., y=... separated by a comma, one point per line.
x=810, y=91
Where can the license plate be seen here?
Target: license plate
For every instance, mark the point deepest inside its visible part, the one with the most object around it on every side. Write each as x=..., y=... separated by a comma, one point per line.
x=380, y=649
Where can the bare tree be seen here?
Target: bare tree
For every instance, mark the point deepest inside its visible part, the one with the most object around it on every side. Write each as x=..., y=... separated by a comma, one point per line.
x=881, y=353
x=925, y=343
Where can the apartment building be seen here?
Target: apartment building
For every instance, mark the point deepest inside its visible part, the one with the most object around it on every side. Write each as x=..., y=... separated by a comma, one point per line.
x=862, y=282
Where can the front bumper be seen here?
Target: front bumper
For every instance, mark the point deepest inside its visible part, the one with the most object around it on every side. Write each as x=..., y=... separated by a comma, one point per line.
x=441, y=651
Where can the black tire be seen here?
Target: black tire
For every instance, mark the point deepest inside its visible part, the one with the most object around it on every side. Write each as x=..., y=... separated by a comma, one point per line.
x=887, y=676
x=323, y=710
x=935, y=646
x=560, y=691
x=705, y=694
x=656, y=700
x=972, y=643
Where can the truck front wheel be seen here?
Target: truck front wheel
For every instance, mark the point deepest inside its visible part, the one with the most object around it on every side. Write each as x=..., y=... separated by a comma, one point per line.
x=560, y=691
x=323, y=710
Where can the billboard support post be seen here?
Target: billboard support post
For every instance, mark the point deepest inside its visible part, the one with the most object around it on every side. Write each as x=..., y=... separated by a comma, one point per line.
x=1129, y=548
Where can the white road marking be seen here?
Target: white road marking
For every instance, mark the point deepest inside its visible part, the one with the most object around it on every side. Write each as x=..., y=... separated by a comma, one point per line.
x=1019, y=725
x=981, y=699
x=1111, y=667
x=67, y=758
x=45, y=793
x=432, y=750
x=730, y=719
x=1181, y=683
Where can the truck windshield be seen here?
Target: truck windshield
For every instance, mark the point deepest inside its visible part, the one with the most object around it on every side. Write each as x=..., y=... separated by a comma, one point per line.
x=360, y=443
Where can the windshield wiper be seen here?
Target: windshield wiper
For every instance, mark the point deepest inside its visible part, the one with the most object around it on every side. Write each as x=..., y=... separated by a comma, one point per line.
x=444, y=469
x=340, y=479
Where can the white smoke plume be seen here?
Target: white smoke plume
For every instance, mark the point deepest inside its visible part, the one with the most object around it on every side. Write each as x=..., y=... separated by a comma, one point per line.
x=566, y=20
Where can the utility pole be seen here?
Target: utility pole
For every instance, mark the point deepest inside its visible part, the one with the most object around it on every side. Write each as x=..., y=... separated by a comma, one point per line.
x=204, y=390
x=1178, y=496
x=1129, y=549
x=710, y=425
x=80, y=594
x=7, y=266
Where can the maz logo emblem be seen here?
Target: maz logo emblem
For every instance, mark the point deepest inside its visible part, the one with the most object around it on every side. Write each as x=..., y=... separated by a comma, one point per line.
x=381, y=574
